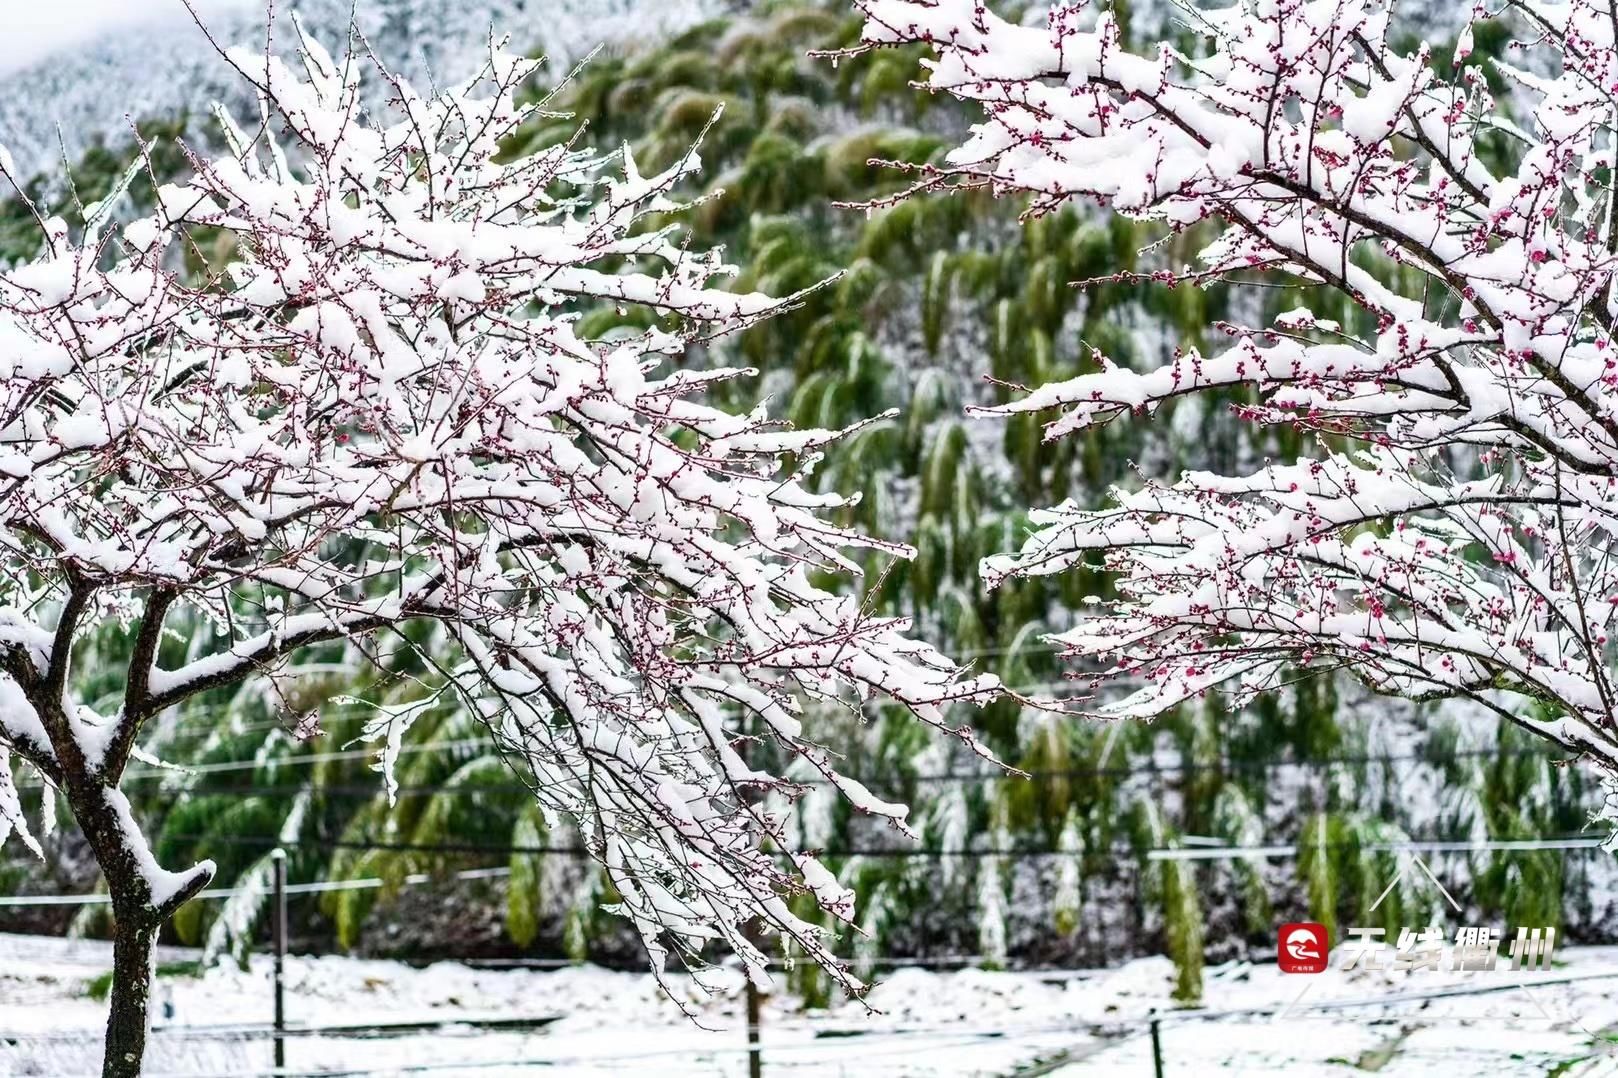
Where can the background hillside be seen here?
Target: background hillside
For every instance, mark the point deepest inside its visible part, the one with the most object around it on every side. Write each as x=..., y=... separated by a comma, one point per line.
x=163, y=66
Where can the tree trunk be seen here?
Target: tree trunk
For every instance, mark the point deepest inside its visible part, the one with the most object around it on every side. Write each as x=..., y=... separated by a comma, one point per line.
x=143, y=895
x=132, y=951
x=138, y=915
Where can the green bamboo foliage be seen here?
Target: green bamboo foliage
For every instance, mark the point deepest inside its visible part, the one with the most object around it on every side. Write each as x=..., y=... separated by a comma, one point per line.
x=1350, y=880
x=877, y=917
x=1068, y=899
x=1514, y=789
x=991, y=904
x=232, y=928
x=523, y=895
x=991, y=897
x=1173, y=885
x=1321, y=864
x=1238, y=823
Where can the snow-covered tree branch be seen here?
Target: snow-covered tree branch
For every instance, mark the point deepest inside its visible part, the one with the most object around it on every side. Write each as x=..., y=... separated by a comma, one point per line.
x=1451, y=528
x=372, y=415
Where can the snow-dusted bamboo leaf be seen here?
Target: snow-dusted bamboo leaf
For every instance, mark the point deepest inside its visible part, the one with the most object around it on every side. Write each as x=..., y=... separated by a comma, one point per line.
x=232, y=929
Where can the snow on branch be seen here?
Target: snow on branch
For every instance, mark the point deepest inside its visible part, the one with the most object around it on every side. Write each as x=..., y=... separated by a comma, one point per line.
x=1450, y=529
x=375, y=408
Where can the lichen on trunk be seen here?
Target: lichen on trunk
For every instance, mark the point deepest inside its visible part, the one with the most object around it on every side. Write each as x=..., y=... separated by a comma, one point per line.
x=132, y=950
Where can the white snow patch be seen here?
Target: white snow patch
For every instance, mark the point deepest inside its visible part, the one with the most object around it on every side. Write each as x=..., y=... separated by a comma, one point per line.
x=967, y=1022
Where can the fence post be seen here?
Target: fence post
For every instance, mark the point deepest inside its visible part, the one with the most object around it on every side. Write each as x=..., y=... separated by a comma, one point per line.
x=755, y=1054
x=278, y=933
x=1157, y=1046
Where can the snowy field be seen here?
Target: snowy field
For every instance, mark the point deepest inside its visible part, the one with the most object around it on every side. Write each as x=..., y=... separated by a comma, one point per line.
x=957, y=1023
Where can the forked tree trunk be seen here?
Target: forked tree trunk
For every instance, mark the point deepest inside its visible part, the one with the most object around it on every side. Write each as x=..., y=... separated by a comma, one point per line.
x=87, y=768
x=132, y=949
x=137, y=913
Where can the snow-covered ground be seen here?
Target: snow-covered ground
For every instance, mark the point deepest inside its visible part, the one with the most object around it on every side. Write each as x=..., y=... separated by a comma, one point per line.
x=969, y=1022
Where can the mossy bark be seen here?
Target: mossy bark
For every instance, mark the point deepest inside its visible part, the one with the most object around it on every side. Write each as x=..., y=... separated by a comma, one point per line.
x=132, y=949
